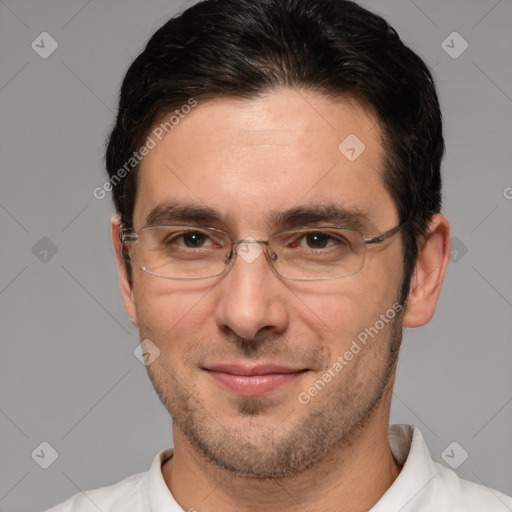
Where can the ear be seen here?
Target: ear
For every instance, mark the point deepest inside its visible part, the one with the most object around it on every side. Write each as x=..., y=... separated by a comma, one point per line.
x=429, y=272
x=126, y=288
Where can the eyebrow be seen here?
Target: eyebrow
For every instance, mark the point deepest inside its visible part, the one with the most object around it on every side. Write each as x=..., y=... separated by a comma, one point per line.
x=304, y=215
x=330, y=213
x=181, y=212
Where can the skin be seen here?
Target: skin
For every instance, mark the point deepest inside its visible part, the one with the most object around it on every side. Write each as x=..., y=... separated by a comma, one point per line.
x=245, y=159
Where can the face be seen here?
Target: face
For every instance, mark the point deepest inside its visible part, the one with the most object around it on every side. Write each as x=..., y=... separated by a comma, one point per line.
x=242, y=354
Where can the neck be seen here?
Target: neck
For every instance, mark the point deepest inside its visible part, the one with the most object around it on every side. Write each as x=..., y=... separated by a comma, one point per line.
x=353, y=477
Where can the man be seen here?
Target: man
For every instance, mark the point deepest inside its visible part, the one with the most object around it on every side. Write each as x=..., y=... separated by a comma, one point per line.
x=275, y=166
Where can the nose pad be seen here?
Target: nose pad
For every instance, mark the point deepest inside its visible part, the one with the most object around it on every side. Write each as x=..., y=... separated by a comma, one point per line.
x=228, y=259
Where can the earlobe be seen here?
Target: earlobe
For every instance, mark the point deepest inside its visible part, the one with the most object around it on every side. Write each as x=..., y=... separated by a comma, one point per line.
x=127, y=293
x=429, y=273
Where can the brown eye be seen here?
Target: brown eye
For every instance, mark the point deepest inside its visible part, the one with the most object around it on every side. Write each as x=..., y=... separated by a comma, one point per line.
x=194, y=239
x=317, y=240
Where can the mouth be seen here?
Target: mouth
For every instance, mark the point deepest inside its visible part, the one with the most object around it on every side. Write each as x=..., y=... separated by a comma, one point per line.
x=258, y=380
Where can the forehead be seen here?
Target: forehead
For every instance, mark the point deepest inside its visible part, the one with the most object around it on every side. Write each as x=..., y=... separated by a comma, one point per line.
x=248, y=159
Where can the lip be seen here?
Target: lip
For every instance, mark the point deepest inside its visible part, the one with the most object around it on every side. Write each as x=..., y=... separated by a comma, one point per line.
x=255, y=380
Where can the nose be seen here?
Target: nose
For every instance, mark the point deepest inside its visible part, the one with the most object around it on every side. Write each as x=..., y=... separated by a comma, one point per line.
x=252, y=300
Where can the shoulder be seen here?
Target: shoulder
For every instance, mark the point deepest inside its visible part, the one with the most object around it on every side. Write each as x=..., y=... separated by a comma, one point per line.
x=460, y=494
x=128, y=494
x=424, y=485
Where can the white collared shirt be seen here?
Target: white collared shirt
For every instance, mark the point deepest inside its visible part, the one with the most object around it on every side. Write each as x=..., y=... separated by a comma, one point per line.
x=422, y=486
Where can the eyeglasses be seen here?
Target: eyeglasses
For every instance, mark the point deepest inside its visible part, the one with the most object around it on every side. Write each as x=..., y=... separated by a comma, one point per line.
x=190, y=252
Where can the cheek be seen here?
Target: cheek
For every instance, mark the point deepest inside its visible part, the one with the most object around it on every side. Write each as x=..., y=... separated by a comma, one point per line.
x=170, y=310
x=345, y=308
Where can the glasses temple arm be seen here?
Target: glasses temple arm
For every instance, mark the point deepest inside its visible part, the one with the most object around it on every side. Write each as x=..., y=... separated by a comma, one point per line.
x=380, y=238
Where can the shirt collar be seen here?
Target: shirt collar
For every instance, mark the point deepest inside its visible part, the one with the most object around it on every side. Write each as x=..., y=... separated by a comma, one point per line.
x=159, y=496
x=418, y=477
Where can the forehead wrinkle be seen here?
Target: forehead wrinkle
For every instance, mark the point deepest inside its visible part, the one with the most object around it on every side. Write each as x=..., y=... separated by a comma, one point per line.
x=264, y=138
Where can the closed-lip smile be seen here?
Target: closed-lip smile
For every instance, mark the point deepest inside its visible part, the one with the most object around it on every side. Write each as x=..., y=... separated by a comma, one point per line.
x=253, y=380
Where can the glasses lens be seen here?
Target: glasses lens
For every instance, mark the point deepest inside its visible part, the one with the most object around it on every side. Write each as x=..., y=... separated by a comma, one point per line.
x=182, y=252
x=317, y=253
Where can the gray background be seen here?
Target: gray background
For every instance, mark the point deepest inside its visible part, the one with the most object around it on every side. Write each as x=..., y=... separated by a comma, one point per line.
x=68, y=373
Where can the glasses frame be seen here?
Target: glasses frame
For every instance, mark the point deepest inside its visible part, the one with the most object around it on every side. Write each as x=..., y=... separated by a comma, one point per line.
x=128, y=235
